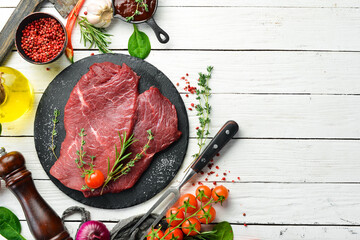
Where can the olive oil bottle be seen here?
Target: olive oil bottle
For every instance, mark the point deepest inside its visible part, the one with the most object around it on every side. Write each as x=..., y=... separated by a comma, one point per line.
x=16, y=94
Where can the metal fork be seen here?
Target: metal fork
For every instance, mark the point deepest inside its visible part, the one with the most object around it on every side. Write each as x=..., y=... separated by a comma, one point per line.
x=224, y=135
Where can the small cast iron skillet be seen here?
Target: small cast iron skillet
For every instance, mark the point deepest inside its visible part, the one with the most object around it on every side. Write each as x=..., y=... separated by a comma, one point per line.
x=161, y=35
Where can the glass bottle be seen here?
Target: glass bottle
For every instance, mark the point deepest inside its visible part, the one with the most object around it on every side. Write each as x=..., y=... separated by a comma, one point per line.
x=16, y=94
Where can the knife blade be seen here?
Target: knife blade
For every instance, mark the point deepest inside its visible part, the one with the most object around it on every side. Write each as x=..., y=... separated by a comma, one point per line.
x=24, y=8
x=223, y=136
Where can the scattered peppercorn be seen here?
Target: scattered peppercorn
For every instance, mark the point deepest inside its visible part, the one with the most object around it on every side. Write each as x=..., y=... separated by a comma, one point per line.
x=244, y=214
x=43, y=39
x=47, y=69
x=214, y=183
x=92, y=54
x=85, y=13
x=187, y=95
x=190, y=109
x=238, y=178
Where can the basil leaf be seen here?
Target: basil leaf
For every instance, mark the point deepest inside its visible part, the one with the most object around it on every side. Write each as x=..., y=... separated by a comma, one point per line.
x=139, y=44
x=224, y=231
x=10, y=226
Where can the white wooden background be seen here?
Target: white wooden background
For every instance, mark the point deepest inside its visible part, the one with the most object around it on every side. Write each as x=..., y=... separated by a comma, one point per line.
x=286, y=71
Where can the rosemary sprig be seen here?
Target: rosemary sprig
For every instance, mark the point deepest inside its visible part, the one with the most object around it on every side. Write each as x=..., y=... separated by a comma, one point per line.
x=118, y=168
x=203, y=108
x=94, y=35
x=140, y=3
x=54, y=132
x=80, y=163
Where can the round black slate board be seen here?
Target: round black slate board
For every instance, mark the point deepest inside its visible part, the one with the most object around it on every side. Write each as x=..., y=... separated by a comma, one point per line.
x=164, y=165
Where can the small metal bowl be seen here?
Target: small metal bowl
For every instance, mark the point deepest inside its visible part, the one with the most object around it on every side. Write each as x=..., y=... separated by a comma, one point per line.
x=27, y=20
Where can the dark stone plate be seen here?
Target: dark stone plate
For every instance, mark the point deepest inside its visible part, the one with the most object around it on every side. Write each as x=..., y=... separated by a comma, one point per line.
x=165, y=164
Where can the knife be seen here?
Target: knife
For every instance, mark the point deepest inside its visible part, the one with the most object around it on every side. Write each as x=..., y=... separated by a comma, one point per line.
x=224, y=135
x=24, y=8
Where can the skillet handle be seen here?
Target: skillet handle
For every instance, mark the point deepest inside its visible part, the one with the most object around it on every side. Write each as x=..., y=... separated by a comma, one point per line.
x=224, y=135
x=161, y=35
x=7, y=34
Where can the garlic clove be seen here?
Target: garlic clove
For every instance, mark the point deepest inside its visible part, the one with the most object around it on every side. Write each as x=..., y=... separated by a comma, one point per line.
x=93, y=19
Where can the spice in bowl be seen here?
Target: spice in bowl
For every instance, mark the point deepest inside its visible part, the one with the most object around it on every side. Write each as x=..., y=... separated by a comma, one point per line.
x=43, y=39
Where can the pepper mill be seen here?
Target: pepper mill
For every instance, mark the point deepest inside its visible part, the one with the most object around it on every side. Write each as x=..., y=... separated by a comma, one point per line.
x=42, y=220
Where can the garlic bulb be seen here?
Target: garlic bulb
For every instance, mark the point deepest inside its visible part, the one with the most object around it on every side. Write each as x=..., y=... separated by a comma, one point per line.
x=99, y=13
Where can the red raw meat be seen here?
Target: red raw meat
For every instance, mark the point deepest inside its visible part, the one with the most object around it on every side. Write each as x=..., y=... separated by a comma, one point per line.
x=103, y=102
x=155, y=112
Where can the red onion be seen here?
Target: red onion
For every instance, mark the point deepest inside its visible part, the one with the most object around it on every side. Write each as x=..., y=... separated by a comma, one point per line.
x=93, y=230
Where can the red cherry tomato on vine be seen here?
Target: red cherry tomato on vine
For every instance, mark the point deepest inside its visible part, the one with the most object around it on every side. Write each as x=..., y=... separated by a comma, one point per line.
x=203, y=193
x=155, y=234
x=206, y=215
x=220, y=193
x=95, y=179
x=191, y=227
x=189, y=202
x=175, y=216
x=174, y=234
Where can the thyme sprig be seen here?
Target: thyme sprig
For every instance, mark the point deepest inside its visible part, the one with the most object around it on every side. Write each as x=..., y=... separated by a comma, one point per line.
x=119, y=169
x=140, y=3
x=94, y=35
x=81, y=163
x=203, y=108
x=54, y=132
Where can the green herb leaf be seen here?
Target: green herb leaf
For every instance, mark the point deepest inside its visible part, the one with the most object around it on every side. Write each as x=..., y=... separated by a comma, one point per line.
x=139, y=44
x=0, y=128
x=94, y=35
x=10, y=227
x=224, y=231
x=210, y=235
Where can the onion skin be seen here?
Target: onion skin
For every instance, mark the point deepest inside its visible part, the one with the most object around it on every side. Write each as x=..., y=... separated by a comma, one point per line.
x=93, y=230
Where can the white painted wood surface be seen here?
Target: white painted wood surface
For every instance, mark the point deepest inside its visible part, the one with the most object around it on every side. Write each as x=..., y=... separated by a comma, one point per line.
x=286, y=71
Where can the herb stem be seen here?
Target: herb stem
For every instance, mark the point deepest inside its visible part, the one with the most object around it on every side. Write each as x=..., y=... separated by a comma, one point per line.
x=53, y=132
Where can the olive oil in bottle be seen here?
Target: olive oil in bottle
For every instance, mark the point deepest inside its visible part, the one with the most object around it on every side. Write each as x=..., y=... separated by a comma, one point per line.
x=16, y=94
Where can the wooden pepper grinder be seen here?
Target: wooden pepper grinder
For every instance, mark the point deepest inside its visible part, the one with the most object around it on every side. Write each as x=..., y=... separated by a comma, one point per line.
x=43, y=222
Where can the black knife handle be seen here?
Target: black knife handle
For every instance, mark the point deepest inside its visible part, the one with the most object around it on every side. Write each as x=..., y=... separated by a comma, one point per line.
x=7, y=34
x=224, y=135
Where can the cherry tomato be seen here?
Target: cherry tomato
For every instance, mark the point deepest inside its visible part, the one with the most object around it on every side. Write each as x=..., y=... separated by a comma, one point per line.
x=175, y=234
x=220, y=193
x=155, y=234
x=203, y=193
x=191, y=227
x=95, y=179
x=189, y=201
x=206, y=215
x=175, y=216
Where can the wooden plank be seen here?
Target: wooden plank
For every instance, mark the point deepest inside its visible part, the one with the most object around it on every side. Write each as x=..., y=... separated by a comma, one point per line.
x=271, y=203
x=247, y=72
x=256, y=232
x=260, y=116
x=243, y=28
x=253, y=160
x=239, y=3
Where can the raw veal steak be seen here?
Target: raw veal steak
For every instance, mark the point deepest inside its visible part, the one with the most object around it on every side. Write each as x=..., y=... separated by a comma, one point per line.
x=103, y=102
x=155, y=112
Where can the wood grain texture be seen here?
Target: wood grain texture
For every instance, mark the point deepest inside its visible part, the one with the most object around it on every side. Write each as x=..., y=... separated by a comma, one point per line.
x=287, y=71
x=241, y=3
x=271, y=203
x=257, y=232
x=243, y=28
x=254, y=160
x=260, y=116
x=279, y=72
